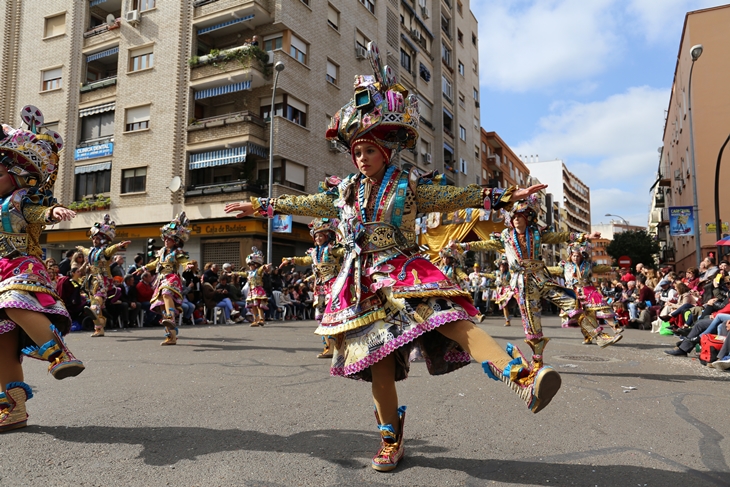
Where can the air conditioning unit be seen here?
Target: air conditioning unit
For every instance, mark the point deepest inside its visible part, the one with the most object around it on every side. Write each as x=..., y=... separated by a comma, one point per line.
x=132, y=17
x=428, y=158
x=333, y=146
x=422, y=3
x=270, y=60
x=425, y=13
x=360, y=52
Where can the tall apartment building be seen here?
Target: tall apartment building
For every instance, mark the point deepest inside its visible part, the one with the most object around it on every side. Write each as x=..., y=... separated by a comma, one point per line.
x=147, y=91
x=710, y=119
x=572, y=194
x=500, y=166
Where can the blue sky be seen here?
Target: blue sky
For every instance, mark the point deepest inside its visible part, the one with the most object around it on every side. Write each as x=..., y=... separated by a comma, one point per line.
x=586, y=81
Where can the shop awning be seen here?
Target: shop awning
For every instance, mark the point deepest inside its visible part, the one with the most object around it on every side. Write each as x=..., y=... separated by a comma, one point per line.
x=100, y=166
x=106, y=107
x=234, y=155
x=205, y=30
x=223, y=90
x=99, y=55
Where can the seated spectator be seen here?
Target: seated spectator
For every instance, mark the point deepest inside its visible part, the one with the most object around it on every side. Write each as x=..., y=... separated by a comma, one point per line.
x=684, y=302
x=622, y=315
x=643, y=322
x=129, y=296
x=145, y=290
x=199, y=315
x=723, y=356
x=117, y=309
x=296, y=302
x=70, y=289
x=187, y=306
x=64, y=267
x=685, y=346
x=213, y=297
x=286, y=303
x=667, y=295
x=117, y=266
x=138, y=262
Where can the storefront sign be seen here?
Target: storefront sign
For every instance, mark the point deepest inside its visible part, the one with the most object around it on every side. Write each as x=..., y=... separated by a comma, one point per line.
x=712, y=227
x=282, y=224
x=94, y=151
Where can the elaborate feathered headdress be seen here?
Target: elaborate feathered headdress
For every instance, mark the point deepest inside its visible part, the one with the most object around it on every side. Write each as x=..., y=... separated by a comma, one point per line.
x=107, y=228
x=502, y=259
x=177, y=229
x=381, y=110
x=529, y=207
x=30, y=156
x=255, y=257
x=579, y=247
x=449, y=252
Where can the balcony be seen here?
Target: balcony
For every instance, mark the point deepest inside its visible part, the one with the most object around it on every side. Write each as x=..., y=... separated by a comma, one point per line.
x=210, y=12
x=102, y=33
x=98, y=90
x=245, y=125
x=236, y=69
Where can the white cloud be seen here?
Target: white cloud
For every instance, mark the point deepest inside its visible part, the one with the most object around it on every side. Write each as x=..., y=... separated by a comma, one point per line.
x=545, y=43
x=608, y=144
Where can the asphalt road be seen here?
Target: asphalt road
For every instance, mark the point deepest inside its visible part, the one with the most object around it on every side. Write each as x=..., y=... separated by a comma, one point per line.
x=241, y=406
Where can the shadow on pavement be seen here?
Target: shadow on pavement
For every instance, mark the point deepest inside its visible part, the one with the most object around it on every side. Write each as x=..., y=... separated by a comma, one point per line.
x=169, y=445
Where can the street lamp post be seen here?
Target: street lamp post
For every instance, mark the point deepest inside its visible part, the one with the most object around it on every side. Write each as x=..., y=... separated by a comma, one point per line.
x=278, y=67
x=718, y=223
x=622, y=219
x=695, y=52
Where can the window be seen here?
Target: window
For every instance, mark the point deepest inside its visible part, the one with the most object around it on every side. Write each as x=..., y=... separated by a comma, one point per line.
x=134, y=180
x=286, y=106
x=97, y=126
x=461, y=68
x=476, y=152
x=273, y=43
x=52, y=79
x=460, y=36
x=142, y=5
x=474, y=65
x=462, y=99
x=446, y=55
x=361, y=41
x=476, y=123
x=476, y=94
x=306, y=2
x=370, y=5
x=295, y=175
x=463, y=164
x=462, y=133
x=298, y=49
x=92, y=183
x=424, y=72
x=448, y=122
x=446, y=87
x=142, y=58
x=332, y=71
x=55, y=26
x=333, y=17
x=460, y=8
x=137, y=118
x=405, y=60
x=474, y=38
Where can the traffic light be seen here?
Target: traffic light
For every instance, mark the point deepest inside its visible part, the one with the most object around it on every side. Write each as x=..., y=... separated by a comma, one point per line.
x=151, y=248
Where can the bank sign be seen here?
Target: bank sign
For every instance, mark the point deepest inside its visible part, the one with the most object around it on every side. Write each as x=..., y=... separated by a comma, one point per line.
x=94, y=151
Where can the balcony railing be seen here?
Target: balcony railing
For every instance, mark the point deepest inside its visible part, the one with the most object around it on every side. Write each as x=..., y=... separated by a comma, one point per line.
x=222, y=126
x=98, y=84
x=227, y=187
x=100, y=29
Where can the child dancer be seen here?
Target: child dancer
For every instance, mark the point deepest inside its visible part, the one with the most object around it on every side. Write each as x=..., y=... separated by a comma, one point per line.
x=99, y=281
x=34, y=317
x=257, y=299
x=167, y=297
x=326, y=260
x=503, y=292
x=388, y=299
x=451, y=266
x=531, y=281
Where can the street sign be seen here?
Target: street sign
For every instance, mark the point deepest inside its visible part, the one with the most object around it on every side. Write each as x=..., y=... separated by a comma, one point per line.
x=624, y=262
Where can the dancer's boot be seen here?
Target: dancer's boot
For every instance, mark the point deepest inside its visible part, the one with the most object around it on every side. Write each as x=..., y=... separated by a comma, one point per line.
x=592, y=331
x=391, y=447
x=170, y=336
x=55, y=351
x=535, y=386
x=12, y=406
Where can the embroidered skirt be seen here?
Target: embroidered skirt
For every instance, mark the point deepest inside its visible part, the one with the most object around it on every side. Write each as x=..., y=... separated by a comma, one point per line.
x=257, y=297
x=167, y=285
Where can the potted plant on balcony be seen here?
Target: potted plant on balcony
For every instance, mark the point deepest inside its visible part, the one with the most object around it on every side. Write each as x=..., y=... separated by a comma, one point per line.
x=101, y=202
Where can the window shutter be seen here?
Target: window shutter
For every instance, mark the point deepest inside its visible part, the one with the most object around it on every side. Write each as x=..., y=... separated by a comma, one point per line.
x=138, y=114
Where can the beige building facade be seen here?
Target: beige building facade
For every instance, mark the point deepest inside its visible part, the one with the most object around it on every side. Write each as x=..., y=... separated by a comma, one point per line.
x=710, y=115
x=146, y=92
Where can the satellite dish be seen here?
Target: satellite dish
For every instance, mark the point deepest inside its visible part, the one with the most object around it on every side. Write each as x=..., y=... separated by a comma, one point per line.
x=111, y=19
x=175, y=184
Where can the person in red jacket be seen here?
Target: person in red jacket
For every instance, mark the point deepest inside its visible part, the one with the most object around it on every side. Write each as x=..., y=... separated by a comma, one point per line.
x=144, y=294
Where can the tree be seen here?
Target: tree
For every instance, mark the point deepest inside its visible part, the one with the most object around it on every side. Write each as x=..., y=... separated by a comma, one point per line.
x=638, y=245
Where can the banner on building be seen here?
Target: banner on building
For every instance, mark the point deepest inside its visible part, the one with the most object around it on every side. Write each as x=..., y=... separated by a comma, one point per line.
x=282, y=224
x=712, y=227
x=681, y=221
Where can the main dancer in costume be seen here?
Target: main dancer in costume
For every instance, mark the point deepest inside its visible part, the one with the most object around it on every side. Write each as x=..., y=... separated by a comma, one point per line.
x=578, y=275
x=388, y=299
x=257, y=299
x=99, y=284
x=33, y=318
x=171, y=259
x=531, y=280
x=326, y=260
x=503, y=291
